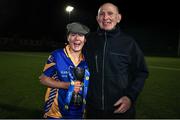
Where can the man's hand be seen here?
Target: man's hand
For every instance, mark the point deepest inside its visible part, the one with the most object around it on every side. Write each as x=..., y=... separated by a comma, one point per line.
x=123, y=104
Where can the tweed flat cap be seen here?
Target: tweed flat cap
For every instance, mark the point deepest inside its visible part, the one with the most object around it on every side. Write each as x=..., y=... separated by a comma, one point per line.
x=76, y=27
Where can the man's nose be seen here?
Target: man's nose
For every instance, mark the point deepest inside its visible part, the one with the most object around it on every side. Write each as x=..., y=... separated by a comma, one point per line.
x=105, y=16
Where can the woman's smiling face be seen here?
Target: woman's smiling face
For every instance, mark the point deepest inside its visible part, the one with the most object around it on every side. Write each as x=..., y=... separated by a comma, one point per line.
x=76, y=41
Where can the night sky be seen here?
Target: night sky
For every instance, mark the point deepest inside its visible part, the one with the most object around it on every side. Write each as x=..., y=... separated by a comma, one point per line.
x=38, y=19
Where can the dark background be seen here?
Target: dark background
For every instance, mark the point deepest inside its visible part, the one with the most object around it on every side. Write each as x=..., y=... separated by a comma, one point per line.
x=40, y=25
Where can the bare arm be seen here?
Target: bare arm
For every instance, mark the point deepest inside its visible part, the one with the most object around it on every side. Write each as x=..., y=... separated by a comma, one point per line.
x=50, y=82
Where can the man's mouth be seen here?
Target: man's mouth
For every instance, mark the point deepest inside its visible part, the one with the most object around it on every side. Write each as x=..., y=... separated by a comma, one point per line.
x=106, y=23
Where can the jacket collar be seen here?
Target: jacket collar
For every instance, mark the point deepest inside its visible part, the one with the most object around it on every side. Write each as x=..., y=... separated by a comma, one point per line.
x=109, y=32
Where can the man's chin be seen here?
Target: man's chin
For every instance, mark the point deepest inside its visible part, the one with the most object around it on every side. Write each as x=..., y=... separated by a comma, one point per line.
x=108, y=28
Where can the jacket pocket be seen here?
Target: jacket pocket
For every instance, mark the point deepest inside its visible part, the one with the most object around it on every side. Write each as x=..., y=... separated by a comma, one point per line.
x=119, y=62
x=118, y=54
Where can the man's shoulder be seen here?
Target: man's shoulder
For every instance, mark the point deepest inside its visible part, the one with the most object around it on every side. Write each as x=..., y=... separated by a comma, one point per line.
x=125, y=37
x=92, y=34
x=92, y=37
x=126, y=34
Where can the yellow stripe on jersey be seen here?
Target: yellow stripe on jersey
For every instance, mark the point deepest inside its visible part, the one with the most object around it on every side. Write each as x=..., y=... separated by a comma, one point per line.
x=68, y=54
x=47, y=93
x=48, y=66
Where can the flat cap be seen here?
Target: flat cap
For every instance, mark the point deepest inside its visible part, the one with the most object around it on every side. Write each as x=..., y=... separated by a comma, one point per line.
x=76, y=27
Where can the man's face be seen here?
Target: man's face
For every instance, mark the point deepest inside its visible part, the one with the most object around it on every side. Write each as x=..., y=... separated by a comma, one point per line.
x=76, y=41
x=108, y=16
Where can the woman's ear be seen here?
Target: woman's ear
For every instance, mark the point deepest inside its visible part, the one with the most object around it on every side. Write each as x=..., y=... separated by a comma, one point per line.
x=85, y=40
x=67, y=37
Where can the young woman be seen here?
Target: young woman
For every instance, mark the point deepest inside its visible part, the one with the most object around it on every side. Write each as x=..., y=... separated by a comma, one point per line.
x=59, y=75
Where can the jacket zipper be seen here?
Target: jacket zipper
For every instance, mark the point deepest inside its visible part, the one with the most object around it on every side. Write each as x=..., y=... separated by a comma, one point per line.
x=96, y=63
x=104, y=52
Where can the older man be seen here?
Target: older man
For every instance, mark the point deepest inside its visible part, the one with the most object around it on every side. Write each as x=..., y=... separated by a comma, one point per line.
x=117, y=67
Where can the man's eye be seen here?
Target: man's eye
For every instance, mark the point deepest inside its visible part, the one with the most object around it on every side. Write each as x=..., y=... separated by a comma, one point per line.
x=101, y=13
x=110, y=13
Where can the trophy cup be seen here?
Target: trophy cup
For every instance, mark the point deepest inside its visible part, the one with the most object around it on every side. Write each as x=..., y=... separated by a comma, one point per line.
x=79, y=75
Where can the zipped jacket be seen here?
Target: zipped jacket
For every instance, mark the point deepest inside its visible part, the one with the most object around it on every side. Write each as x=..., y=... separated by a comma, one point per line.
x=117, y=68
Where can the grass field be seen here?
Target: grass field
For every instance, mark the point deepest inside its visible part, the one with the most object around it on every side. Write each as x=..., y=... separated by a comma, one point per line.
x=22, y=96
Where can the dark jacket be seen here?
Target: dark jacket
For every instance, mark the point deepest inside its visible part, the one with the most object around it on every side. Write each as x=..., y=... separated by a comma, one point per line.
x=117, y=68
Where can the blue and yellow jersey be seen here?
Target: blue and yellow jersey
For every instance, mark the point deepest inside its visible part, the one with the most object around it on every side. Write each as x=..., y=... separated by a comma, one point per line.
x=57, y=67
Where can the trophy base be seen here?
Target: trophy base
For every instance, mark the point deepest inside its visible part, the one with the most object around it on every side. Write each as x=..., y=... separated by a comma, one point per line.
x=76, y=99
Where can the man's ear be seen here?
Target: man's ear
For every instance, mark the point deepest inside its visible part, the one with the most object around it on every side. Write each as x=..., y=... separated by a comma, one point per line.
x=97, y=19
x=119, y=17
